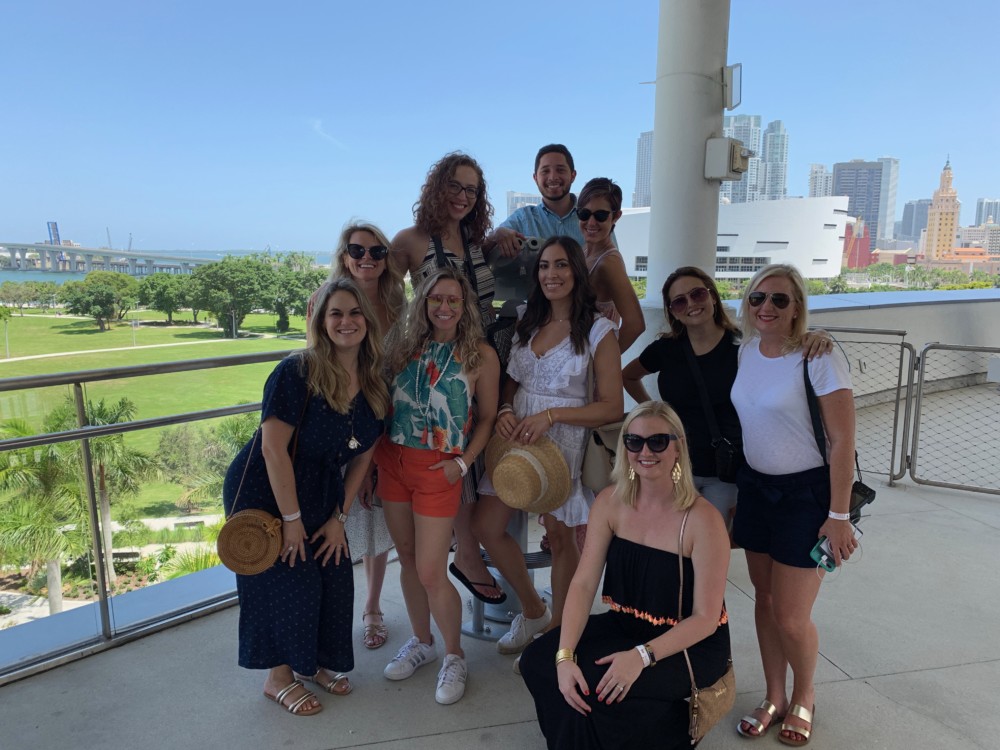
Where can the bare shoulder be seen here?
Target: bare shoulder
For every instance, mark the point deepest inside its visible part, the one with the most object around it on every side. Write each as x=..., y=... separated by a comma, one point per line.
x=705, y=522
x=410, y=242
x=489, y=354
x=606, y=507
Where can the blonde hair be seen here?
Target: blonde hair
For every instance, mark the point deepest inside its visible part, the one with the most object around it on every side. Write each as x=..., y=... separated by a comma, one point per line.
x=627, y=489
x=419, y=328
x=318, y=361
x=390, y=281
x=800, y=323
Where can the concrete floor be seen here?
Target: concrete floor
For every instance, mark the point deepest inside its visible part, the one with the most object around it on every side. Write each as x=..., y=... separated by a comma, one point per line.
x=908, y=661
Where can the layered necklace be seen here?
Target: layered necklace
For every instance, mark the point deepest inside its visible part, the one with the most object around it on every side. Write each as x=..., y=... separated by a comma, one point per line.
x=423, y=367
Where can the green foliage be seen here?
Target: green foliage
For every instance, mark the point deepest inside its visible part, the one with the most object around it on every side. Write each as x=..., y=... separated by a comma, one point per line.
x=232, y=288
x=164, y=292
x=105, y=296
x=15, y=294
x=190, y=561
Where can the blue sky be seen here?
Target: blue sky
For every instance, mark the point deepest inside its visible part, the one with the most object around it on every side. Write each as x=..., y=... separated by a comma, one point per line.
x=218, y=125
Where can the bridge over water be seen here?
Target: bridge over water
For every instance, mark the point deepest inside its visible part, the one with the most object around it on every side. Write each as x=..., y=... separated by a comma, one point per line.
x=74, y=259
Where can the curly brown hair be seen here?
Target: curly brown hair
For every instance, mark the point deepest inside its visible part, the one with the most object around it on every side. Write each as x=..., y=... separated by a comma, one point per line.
x=430, y=212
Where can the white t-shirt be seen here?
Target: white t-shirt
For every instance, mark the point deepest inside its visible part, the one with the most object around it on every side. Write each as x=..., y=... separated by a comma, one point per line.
x=770, y=398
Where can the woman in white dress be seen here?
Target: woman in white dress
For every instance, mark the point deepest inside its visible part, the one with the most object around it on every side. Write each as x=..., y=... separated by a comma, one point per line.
x=560, y=340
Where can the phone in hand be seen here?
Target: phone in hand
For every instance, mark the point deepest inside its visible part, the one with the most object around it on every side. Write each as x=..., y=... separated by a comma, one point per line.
x=823, y=556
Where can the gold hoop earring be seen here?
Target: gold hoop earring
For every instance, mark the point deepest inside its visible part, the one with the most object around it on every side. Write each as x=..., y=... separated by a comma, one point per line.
x=631, y=474
x=676, y=472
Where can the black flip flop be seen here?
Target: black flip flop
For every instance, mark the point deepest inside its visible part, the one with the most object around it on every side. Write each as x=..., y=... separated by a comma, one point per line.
x=471, y=586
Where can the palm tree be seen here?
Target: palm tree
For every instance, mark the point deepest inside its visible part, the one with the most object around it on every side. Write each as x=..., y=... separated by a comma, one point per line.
x=42, y=518
x=220, y=449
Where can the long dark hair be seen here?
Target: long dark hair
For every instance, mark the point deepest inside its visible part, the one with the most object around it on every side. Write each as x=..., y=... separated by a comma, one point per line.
x=430, y=212
x=584, y=301
x=721, y=314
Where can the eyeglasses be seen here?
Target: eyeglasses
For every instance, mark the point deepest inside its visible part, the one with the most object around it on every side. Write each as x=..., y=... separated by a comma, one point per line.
x=657, y=443
x=585, y=214
x=377, y=252
x=778, y=299
x=436, y=300
x=454, y=188
x=696, y=296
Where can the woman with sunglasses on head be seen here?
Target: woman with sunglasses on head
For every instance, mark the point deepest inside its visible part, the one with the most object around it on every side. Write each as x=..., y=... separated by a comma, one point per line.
x=559, y=341
x=361, y=255
x=698, y=322
x=790, y=494
x=321, y=415
x=598, y=208
x=452, y=217
x=446, y=373
x=620, y=679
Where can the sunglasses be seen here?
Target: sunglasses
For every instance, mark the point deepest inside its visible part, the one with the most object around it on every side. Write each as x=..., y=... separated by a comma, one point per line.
x=600, y=216
x=377, y=252
x=455, y=188
x=778, y=299
x=657, y=443
x=696, y=296
x=436, y=300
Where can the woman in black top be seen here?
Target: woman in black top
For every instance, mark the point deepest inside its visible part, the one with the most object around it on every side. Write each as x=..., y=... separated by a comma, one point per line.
x=697, y=319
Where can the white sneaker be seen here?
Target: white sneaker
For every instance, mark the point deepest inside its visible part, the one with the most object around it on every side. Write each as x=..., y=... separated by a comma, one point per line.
x=413, y=654
x=522, y=631
x=451, y=680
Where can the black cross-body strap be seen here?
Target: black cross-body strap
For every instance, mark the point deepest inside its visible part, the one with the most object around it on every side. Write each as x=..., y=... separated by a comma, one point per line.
x=817, y=419
x=706, y=404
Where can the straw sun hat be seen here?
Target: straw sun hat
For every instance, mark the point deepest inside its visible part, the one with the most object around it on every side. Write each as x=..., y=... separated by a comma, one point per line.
x=534, y=478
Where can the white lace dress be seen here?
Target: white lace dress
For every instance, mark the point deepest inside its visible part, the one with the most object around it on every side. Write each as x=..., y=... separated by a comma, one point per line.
x=558, y=378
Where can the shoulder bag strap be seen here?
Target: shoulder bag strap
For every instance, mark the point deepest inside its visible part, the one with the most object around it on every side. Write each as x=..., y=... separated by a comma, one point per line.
x=680, y=591
x=706, y=404
x=817, y=420
x=443, y=262
x=295, y=447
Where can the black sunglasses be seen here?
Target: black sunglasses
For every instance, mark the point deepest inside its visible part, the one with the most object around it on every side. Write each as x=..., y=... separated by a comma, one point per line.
x=778, y=299
x=657, y=443
x=378, y=252
x=585, y=214
x=680, y=303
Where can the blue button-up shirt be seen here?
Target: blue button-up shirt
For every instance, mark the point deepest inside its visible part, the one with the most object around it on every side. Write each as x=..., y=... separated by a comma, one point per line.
x=539, y=221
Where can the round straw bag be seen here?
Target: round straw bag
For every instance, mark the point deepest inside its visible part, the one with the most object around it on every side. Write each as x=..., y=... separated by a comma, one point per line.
x=250, y=541
x=533, y=478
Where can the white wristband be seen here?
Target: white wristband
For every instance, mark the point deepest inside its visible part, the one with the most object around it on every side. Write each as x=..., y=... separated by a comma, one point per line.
x=839, y=516
x=291, y=516
x=461, y=465
x=643, y=654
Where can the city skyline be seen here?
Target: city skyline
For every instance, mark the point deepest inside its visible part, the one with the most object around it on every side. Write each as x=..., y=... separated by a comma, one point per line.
x=236, y=126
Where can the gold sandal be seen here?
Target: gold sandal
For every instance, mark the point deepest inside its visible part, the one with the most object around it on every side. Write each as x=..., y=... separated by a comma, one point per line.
x=295, y=706
x=339, y=684
x=375, y=635
x=806, y=715
x=767, y=707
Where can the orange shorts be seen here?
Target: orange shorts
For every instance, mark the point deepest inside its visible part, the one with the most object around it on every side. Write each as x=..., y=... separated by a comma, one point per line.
x=404, y=476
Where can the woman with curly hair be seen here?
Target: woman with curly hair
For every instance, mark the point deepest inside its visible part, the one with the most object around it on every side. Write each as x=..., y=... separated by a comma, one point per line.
x=452, y=218
x=445, y=372
x=362, y=255
x=295, y=617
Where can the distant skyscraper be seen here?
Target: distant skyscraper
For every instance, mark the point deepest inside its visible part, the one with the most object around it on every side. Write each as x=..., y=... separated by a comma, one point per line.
x=820, y=181
x=871, y=190
x=519, y=200
x=942, y=218
x=641, y=197
x=745, y=128
x=914, y=220
x=985, y=208
x=774, y=162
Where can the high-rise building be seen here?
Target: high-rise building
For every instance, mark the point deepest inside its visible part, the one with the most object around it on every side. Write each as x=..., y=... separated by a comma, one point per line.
x=914, y=220
x=820, y=181
x=745, y=128
x=774, y=162
x=641, y=196
x=871, y=190
x=985, y=208
x=942, y=218
x=519, y=200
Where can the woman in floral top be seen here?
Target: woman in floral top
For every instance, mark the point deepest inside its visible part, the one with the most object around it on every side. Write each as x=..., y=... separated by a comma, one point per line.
x=443, y=365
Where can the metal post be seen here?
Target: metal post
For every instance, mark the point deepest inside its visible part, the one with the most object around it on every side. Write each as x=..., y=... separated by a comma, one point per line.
x=684, y=215
x=95, y=528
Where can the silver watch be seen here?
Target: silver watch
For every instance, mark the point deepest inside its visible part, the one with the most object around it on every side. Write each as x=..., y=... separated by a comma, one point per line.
x=342, y=517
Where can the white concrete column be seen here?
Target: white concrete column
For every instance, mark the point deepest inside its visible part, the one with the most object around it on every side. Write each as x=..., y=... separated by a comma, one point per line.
x=684, y=211
x=88, y=262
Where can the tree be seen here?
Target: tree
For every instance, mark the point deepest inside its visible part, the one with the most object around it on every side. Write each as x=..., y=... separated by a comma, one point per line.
x=103, y=295
x=292, y=292
x=163, y=292
x=42, y=293
x=42, y=517
x=15, y=294
x=232, y=288
x=119, y=469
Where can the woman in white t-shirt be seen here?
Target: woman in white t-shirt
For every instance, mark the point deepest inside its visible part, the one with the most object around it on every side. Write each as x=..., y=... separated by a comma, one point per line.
x=790, y=494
